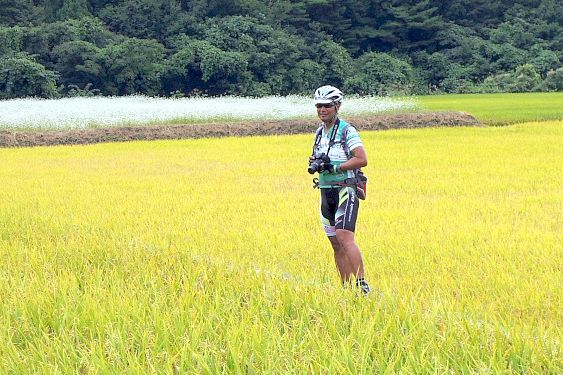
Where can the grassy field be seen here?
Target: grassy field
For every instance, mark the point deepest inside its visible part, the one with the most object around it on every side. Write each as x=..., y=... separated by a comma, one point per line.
x=207, y=256
x=499, y=109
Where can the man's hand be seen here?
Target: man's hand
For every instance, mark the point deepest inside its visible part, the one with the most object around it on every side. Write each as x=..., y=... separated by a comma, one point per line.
x=328, y=167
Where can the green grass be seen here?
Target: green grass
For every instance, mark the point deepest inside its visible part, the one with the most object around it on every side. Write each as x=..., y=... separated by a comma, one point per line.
x=499, y=109
x=207, y=256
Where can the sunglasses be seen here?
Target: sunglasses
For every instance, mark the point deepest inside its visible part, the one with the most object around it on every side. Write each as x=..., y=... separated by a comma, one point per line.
x=327, y=105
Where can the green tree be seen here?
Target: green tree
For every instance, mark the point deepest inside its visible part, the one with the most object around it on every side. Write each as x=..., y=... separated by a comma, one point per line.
x=305, y=76
x=415, y=23
x=146, y=19
x=201, y=66
x=270, y=54
x=543, y=60
x=516, y=32
x=526, y=79
x=225, y=71
x=73, y=9
x=132, y=66
x=51, y=9
x=42, y=40
x=458, y=79
x=433, y=69
x=523, y=79
x=92, y=30
x=554, y=80
x=497, y=83
x=474, y=13
x=380, y=74
x=11, y=39
x=507, y=57
x=15, y=12
x=78, y=63
x=256, y=47
x=97, y=5
x=336, y=62
x=181, y=72
x=21, y=76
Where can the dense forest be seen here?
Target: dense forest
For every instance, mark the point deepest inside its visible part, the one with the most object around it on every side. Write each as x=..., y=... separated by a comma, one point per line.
x=53, y=48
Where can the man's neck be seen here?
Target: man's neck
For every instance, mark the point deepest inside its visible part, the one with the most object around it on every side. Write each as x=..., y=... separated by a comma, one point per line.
x=331, y=123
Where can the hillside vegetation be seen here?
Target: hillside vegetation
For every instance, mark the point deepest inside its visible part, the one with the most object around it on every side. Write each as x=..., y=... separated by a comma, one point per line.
x=280, y=47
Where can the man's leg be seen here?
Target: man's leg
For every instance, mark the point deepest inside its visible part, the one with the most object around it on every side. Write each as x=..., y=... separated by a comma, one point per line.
x=341, y=260
x=351, y=252
x=345, y=239
x=347, y=255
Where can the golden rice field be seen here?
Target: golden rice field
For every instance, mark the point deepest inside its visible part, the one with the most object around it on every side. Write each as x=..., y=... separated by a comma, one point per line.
x=207, y=256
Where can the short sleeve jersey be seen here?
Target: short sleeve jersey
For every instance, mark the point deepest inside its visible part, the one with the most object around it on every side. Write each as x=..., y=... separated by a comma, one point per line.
x=337, y=152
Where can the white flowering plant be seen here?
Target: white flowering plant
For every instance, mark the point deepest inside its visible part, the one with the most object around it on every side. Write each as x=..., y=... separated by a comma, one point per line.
x=91, y=112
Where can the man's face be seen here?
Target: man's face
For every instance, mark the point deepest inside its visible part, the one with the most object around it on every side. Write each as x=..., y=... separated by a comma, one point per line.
x=326, y=112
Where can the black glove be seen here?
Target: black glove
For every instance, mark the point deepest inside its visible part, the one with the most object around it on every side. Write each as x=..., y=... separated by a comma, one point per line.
x=327, y=167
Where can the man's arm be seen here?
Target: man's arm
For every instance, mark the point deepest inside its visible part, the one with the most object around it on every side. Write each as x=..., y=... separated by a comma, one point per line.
x=358, y=160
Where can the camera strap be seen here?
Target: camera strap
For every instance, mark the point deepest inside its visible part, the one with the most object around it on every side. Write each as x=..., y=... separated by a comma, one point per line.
x=332, y=139
x=318, y=138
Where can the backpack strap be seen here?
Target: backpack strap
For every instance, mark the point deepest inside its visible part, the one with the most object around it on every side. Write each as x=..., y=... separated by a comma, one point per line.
x=343, y=136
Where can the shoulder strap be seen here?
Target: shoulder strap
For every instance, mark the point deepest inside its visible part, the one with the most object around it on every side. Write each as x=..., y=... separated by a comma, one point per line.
x=333, y=135
x=343, y=136
x=319, y=134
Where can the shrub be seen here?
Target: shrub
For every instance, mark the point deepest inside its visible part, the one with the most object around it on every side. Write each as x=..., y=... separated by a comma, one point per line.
x=554, y=80
x=526, y=79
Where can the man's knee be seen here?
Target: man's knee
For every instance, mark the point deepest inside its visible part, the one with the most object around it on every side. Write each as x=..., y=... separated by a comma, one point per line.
x=336, y=246
x=345, y=237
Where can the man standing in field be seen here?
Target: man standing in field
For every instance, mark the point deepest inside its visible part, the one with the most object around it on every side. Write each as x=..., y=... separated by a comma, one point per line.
x=338, y=155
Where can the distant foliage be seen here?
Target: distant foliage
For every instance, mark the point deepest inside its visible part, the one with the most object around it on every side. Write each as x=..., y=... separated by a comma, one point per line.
x=281, y=47
x=554, y=80
x=525, y=78
x=22, y=76
x=381, y=74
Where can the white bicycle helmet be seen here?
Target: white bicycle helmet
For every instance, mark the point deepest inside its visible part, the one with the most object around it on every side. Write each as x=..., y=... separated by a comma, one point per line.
x=328, y=94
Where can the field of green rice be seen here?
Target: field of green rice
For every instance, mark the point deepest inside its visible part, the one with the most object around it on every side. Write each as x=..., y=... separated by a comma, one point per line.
x=207, y=256
x=499, y=109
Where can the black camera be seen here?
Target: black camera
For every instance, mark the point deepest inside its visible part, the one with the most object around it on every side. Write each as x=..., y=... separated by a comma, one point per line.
x=315, y=164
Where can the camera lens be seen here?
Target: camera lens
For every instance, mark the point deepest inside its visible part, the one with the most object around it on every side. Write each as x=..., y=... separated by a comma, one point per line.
x=312, y=168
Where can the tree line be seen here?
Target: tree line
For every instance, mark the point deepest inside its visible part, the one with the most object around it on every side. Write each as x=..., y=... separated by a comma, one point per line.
x=52, y=48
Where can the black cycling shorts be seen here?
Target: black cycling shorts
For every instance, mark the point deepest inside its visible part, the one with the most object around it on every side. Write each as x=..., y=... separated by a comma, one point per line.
x=339, y=209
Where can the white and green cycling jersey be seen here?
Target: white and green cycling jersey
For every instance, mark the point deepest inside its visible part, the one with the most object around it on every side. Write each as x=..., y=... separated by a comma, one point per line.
x=345, y=141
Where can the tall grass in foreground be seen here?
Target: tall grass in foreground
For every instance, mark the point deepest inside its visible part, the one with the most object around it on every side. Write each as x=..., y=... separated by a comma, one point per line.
x=206, y=256
x=499, y=109
x=78, y=113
